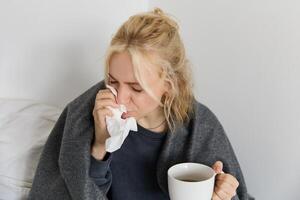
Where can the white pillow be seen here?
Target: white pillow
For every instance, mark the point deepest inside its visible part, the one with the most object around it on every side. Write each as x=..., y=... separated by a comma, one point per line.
x=24, y=128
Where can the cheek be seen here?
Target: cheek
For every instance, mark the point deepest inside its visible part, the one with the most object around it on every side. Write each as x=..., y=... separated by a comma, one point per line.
x=145, y=103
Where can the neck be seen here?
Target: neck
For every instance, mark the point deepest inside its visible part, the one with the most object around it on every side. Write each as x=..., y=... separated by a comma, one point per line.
x=154, y=121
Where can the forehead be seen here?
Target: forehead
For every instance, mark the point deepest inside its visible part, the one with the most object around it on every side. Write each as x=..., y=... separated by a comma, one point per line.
x=121, y=69
x=121, y=65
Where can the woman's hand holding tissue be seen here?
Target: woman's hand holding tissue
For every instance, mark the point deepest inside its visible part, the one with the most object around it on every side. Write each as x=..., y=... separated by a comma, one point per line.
x=103, y=99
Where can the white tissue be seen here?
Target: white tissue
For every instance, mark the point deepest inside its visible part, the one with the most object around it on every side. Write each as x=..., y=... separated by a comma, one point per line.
x=117, y=127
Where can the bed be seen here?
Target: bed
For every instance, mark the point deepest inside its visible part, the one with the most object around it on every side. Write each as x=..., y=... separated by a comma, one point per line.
x=24, y=128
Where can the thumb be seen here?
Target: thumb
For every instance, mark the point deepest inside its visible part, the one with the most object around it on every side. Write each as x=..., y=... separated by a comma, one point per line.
x=218, y=167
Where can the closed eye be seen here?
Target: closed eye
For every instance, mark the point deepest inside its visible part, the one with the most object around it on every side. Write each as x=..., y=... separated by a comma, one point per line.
x=136, y=90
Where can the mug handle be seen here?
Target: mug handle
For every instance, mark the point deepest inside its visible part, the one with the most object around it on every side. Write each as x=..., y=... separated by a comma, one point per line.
x=218, y=173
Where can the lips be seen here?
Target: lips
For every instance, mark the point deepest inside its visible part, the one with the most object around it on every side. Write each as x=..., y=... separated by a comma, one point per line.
x=126, y=114
x=123, y=116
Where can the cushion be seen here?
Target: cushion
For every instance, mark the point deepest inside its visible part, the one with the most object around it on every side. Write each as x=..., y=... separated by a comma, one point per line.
x=24, y=128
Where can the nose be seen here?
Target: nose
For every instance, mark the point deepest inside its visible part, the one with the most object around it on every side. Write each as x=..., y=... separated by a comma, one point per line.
x=123, y=96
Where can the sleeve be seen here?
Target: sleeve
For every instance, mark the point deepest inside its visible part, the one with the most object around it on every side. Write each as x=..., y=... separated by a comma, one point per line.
x=100, y=172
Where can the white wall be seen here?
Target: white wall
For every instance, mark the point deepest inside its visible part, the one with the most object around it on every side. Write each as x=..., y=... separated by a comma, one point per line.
x=246, y=63
x=52, y=51
x=246, y=57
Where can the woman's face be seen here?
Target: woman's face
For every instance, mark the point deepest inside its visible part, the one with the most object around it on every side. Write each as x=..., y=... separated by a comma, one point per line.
x=138, y=103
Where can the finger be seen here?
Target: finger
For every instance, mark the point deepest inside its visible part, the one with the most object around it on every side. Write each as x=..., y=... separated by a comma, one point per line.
x=215, y=197
x=105, y=103
x=221, y=193
x=102, y=112
x=105, y=95
x=226, y=187
x=228, y=178
x=102, y=118
x=218, y=167
x=105, y=90
x=100, y=109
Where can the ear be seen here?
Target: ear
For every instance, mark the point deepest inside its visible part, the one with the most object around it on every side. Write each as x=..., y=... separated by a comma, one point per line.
x=167, y=86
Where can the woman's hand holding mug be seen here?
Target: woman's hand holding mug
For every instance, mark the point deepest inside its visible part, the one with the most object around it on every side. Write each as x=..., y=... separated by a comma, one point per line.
x=225, y=184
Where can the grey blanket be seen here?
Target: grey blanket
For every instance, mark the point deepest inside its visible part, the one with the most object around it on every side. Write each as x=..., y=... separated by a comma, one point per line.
x=63, y=169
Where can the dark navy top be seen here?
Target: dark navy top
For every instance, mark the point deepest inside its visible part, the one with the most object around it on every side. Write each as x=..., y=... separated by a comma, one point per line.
x=131, y=170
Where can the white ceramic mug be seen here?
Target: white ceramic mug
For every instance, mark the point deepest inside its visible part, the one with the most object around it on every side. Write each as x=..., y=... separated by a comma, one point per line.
x=191, y=181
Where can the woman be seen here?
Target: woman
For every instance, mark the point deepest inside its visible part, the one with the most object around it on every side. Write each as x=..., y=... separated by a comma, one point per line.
x=147, y=65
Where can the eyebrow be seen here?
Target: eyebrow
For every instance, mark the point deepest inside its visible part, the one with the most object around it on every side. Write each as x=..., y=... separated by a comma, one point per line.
x=130, y=83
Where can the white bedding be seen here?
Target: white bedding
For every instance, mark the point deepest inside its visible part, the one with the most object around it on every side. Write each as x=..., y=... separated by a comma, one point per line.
x=24, y=128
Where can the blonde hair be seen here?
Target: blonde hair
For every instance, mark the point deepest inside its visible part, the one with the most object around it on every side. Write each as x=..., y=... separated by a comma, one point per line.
x=152, y=39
